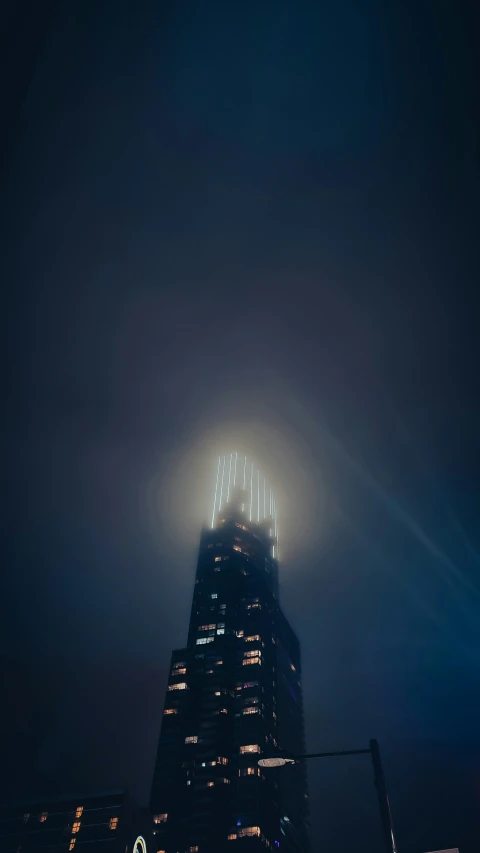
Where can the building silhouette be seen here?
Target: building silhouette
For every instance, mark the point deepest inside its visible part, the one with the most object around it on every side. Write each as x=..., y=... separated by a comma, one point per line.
x=234, y=692
x=95, y=822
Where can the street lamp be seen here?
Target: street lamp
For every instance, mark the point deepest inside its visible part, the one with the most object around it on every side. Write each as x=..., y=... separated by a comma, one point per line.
x=379, y=779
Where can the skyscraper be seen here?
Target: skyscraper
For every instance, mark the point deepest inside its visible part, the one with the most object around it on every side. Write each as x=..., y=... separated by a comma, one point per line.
x=234, y=692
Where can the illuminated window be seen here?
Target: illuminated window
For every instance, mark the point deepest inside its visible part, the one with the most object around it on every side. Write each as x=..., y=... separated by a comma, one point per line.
x=179, y=664
x=180, y=686
x=239, y=633
x=251, y=660
x=193, y=849
x=241, y=526
x=250, y=710
x=223, y=711
x=249, y=771
x=222, y=760
x=210, y=784
x=191, y=739
x=292, y=667
x=72, y=843
x=248, y=830
x=79, y=811
x=248, y=684
x=251, y=747
x=42, y=818
x=221, y=624
x=223, y=780
x=232, y=836
x=170, y=711
x=113, y=822
x=202, y=640
x=179, y=670
x=160, y=818
x=220, y=630
x=218, y=693
x=253, y=638
x=207, y=627
x=26, y=817
x=253, y=653
x=214, y=595
x=274, y=715
x=76, y=825
x=237, y=548
x=220, y=559
x=251, y=700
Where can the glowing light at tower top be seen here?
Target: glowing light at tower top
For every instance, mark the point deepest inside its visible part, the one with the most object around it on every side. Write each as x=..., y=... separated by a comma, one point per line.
x=236, y=474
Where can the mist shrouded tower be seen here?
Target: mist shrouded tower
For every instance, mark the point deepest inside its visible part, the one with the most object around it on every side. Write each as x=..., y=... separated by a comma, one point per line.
x=234, y=692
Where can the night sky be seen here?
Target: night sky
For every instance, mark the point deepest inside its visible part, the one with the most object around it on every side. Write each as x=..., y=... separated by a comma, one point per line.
x=248, y=225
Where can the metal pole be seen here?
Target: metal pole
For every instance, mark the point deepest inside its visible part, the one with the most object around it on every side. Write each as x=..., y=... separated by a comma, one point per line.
x=385, y=815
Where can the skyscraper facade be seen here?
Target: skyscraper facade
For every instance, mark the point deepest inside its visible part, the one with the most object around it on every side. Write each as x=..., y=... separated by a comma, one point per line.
x=234, y=692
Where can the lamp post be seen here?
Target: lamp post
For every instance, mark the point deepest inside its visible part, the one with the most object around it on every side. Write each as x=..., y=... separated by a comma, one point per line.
x=378, y=776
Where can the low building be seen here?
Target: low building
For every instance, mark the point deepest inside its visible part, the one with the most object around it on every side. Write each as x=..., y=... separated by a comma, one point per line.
x=104, y=822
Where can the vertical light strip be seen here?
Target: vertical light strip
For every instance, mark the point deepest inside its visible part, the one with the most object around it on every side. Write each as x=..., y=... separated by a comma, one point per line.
x=235, y=471
x=251, y=491
x=245, y=472
x=264, y=498
x=216, y=490
x=258, y=495
x=229, y=476
x=221, y=488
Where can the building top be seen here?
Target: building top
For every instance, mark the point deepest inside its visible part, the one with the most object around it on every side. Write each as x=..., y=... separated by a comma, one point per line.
x=239, y=481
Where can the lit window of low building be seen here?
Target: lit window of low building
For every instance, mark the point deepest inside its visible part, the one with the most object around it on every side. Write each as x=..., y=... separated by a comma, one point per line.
x=42, y=817
x=113, y=822
x=237, y=548
x=251, y=660
x=191, y=739
x=203, y=640
x=180, y=686
x=76, y=826
x=220, y=630
x=239, y=633
x=251, y=747
x=222, y=760
x=232, y=836
x=160, y=818
x=248, y=684
x=252, y=653
x=179, y=670
x=248, y=830
x=72, y=843
x=170, y=711
x=252, y=638
x=193, y=849
x=79, y=811
x=207, y=627
x=210, y=784
x=214, y=595
x=250, y=710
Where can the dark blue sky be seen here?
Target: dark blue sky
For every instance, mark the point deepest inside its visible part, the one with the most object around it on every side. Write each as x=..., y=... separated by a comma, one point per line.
x=250, y=222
